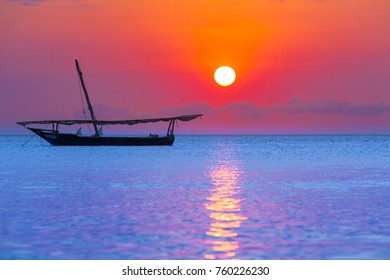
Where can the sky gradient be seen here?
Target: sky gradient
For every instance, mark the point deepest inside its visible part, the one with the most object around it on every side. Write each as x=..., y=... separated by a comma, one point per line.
x=303, y=66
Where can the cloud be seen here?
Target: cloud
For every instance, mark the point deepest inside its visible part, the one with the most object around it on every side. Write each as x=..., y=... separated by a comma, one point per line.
x=27, y=2
x=188, y=109
x=249, y=110
x=244, y=109
x=239, y=109
x=80, y=3
x=103, y=111
x=296, y=106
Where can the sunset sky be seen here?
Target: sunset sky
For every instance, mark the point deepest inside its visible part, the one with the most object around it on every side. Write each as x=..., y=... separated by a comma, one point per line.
x=303, y=66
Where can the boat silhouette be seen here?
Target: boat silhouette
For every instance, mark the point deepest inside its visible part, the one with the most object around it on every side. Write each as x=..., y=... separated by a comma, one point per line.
x=57, y=138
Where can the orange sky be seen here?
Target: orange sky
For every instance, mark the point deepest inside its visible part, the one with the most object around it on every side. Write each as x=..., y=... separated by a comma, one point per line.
x=303, y=66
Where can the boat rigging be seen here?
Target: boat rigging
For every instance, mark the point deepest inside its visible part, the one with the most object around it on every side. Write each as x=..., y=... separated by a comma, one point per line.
x=57, y=138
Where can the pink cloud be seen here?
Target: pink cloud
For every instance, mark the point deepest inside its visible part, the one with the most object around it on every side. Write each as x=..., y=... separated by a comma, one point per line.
x=249, y=110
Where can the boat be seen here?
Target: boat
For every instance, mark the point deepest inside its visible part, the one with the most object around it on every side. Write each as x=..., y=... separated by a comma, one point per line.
x=57, y=138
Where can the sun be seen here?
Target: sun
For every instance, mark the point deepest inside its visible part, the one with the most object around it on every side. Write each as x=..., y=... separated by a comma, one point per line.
x=224, y=76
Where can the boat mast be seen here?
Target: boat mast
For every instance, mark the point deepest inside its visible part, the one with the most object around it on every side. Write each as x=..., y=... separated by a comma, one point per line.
x=87, y=98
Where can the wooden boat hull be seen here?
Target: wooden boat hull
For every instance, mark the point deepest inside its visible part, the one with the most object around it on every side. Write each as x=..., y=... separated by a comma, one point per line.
x=68, y=139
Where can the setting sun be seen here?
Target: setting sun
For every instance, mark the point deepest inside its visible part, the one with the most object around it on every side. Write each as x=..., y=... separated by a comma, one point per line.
x=224, y=76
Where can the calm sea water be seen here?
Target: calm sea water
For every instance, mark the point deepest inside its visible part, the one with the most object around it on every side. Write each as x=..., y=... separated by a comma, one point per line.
x=206, y=197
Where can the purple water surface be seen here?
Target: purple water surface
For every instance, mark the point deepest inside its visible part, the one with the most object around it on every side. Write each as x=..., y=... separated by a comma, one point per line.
x=206, y=197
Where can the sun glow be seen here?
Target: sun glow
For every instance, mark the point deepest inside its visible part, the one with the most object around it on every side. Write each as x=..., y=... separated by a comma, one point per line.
x=224, y=76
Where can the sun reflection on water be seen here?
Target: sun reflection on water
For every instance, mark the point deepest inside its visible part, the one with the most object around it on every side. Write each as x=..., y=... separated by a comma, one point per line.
x=224, y=211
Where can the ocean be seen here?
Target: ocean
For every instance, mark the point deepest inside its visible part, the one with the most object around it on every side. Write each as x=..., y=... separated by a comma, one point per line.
x=206, y=197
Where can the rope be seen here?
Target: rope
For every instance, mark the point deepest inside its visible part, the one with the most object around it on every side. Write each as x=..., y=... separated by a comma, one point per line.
x=82, y=102
x=29, y=140
x=81, y=97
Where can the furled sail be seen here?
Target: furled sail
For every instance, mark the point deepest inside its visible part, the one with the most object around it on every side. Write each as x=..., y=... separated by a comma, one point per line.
x=184, y=118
